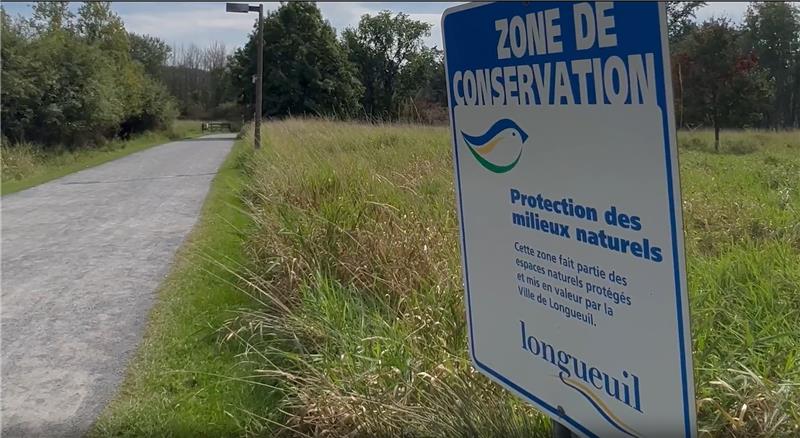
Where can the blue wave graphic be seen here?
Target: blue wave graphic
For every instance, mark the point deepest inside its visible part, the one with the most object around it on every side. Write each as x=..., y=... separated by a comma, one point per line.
x=493, y=131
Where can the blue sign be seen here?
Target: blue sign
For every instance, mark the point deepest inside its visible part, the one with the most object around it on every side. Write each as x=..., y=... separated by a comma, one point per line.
x=569, y=207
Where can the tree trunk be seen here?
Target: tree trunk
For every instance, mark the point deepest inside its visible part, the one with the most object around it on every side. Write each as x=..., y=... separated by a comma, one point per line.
x=716, y=135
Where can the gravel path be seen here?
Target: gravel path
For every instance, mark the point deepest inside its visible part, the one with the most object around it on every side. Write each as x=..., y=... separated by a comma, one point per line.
x=82, y=257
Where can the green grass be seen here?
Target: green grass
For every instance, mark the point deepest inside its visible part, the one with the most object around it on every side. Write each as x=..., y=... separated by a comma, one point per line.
x=25, y=166
x=340, y=311
x=183, y=381
x=742, y=216
x=355, y=250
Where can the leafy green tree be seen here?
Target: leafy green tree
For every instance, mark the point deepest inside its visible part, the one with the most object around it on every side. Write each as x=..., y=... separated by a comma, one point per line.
x=305, y=70
x=19, y=93
x=52, y=16
x=772, y=30
x=72, y=81
x=98, y=25
x=422, y=88
x=79, y=99
x=680, y=24
x=145, y=104
x=423, y=77
x=149, y=51
x=680, y=19
x=724, y=85
x=381, y=48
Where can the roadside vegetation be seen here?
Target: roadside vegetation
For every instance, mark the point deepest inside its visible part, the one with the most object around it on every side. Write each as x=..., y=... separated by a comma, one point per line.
x=321, y=294
x=26, y=165
x=183, y=381
x=74, y=80
x=354, y=257
x=77, y=91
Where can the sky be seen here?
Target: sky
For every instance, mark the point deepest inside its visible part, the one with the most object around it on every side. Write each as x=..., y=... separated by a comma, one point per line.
x=202, y=23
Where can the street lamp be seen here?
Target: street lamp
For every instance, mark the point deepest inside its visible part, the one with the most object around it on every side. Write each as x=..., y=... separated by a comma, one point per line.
x=245, y=8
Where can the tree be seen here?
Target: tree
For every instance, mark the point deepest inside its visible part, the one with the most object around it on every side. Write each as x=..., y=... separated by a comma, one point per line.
x=305, y=69
x=80, y=99
x=423, y=87
x=72, y=82
x=51, y=16
x=184, y=78
x=381, y=48
x=680, y=19
x=98, y=25
x=215, y=60
x=149, y=51
x=724, y=85
x=772, y=30
x=18, y=93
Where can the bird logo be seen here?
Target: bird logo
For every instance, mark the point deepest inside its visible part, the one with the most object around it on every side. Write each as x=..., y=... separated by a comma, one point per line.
x=482, y=145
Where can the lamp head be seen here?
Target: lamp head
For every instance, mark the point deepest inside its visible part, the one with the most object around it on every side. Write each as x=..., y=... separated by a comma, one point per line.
x=237, y=7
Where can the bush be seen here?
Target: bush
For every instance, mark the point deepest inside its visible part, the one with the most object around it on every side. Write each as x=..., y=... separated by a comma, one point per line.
x=157, y=110
x=19, y=160
x=65, y=85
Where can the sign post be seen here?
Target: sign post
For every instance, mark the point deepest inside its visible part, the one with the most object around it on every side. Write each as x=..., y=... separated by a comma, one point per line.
x=560, y=431
x=569, y=207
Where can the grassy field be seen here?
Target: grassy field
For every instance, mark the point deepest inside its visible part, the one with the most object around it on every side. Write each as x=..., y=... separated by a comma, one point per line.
x=356, y=251
x=25, y=165
x=350, y=318
x=183, y=382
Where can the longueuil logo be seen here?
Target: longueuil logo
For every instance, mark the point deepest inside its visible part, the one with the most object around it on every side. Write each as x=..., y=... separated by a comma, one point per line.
x=583, y=377
x=483, y=144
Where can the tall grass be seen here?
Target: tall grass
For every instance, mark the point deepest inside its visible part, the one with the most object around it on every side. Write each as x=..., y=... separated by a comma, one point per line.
x=362, y=330
x=182, y=382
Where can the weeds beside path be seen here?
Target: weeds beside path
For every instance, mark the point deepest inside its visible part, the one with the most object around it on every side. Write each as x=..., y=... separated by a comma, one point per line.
x=355, y=250
x=182, y=381
x=24, y=166
x=348, y=238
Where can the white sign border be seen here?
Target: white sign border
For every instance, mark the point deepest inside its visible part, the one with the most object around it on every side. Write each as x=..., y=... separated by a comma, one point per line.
x=678, y=250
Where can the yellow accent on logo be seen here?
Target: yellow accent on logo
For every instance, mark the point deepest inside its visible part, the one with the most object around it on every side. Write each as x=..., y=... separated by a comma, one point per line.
x=587, y=392
x=489, y=147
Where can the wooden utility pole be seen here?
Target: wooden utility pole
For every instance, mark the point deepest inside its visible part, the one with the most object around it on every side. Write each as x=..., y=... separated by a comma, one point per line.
x=259, y=75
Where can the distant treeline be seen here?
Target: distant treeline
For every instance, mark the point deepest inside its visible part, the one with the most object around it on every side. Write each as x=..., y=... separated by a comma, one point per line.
x=75, y=79
x=725, y=75
x=199, y=79
x=729, y=76
x=379, y=70
x=72, y=79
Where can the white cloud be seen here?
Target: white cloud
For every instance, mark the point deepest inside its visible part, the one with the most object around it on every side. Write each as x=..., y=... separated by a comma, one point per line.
x=202, y=23
x=346, y=14
x=435, y=20
x=198, y=25
x=733, y=10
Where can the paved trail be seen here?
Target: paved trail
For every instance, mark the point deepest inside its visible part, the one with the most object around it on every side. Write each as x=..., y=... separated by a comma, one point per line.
x=81, y=259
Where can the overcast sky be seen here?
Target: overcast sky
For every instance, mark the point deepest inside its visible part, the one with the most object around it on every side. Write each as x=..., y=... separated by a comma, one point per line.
x=202, y=23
